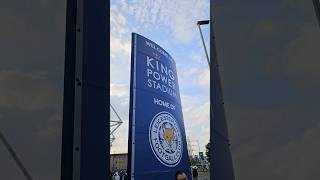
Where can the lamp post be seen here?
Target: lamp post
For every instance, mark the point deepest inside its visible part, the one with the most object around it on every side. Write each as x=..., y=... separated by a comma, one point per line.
x=199, y=23
x=222, y=168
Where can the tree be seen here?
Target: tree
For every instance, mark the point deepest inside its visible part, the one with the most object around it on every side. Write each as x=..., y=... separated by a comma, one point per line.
x=192, y=161
x=208, y=151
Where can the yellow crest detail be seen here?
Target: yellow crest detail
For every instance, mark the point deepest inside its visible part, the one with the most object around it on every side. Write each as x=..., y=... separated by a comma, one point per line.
x=168, y=135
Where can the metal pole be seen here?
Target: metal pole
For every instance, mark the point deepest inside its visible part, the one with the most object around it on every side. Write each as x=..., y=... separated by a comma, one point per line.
x=15, y=157
x=85, y=116
x=204, y=45
x=116, y=112
x=116, y=123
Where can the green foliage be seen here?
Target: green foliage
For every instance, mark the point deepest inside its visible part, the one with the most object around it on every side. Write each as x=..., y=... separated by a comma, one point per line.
x=208, y=151
x=192, y=161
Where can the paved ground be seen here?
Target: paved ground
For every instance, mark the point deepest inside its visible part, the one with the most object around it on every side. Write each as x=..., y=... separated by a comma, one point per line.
x=203, y=176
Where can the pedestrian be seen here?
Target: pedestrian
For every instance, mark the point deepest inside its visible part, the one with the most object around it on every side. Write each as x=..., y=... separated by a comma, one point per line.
x=116, y=176
x=125, y=175
x=111, y=175
x=180, y=175
x=120, y=174
x=195, y=173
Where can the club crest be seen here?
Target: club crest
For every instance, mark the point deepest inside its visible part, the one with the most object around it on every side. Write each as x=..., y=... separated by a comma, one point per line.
x=165, y=139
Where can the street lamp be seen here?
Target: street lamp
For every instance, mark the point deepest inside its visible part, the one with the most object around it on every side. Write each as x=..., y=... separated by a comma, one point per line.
x=199, y=23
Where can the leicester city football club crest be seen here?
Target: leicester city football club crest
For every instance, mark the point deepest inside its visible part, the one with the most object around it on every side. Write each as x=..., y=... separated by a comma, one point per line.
x=165, y=139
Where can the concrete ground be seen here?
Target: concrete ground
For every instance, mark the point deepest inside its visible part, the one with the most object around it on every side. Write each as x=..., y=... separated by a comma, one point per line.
x=203, y=175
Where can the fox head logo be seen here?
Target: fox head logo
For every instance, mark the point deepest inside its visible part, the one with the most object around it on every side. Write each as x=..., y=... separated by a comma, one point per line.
x=168, y=135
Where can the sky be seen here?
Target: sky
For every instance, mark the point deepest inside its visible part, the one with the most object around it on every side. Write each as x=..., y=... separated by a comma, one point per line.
x=172, y=25
x=269, y=62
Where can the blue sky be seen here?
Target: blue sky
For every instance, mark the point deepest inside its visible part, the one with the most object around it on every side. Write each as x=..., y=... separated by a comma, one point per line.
x=172, y=25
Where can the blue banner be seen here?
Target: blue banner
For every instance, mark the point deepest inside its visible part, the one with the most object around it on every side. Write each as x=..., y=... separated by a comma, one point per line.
x=157, y=140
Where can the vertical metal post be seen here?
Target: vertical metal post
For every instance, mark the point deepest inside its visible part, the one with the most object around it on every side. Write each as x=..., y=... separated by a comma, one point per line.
x=77, y=123
x=85, y=140
x=204, y=45
x=69, y=93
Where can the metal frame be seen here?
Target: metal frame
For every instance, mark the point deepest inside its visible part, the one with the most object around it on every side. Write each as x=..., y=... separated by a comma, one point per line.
x=78, y=92
x=69, y=93
x=132, y=109
x=85, y=140
x=114, y=125
x=199, y=23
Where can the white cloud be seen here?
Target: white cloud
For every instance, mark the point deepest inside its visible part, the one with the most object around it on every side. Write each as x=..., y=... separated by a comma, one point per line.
x=186, y=75
x=121, y=104
x=198, y=58
x=120, y=50
x=119, y=90
x=125, y=102
x=178, y=19
x=120, y=145
x=117, y=21
x=204, y=137
x=204, y=78
x=196, y=114
x=179, y=16
x=120, y=47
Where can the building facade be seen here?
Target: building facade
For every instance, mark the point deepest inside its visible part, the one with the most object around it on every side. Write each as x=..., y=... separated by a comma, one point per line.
x=118, y=162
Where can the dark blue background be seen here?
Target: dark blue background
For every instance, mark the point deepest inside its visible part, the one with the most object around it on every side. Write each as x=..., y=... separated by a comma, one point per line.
x=146, y=165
